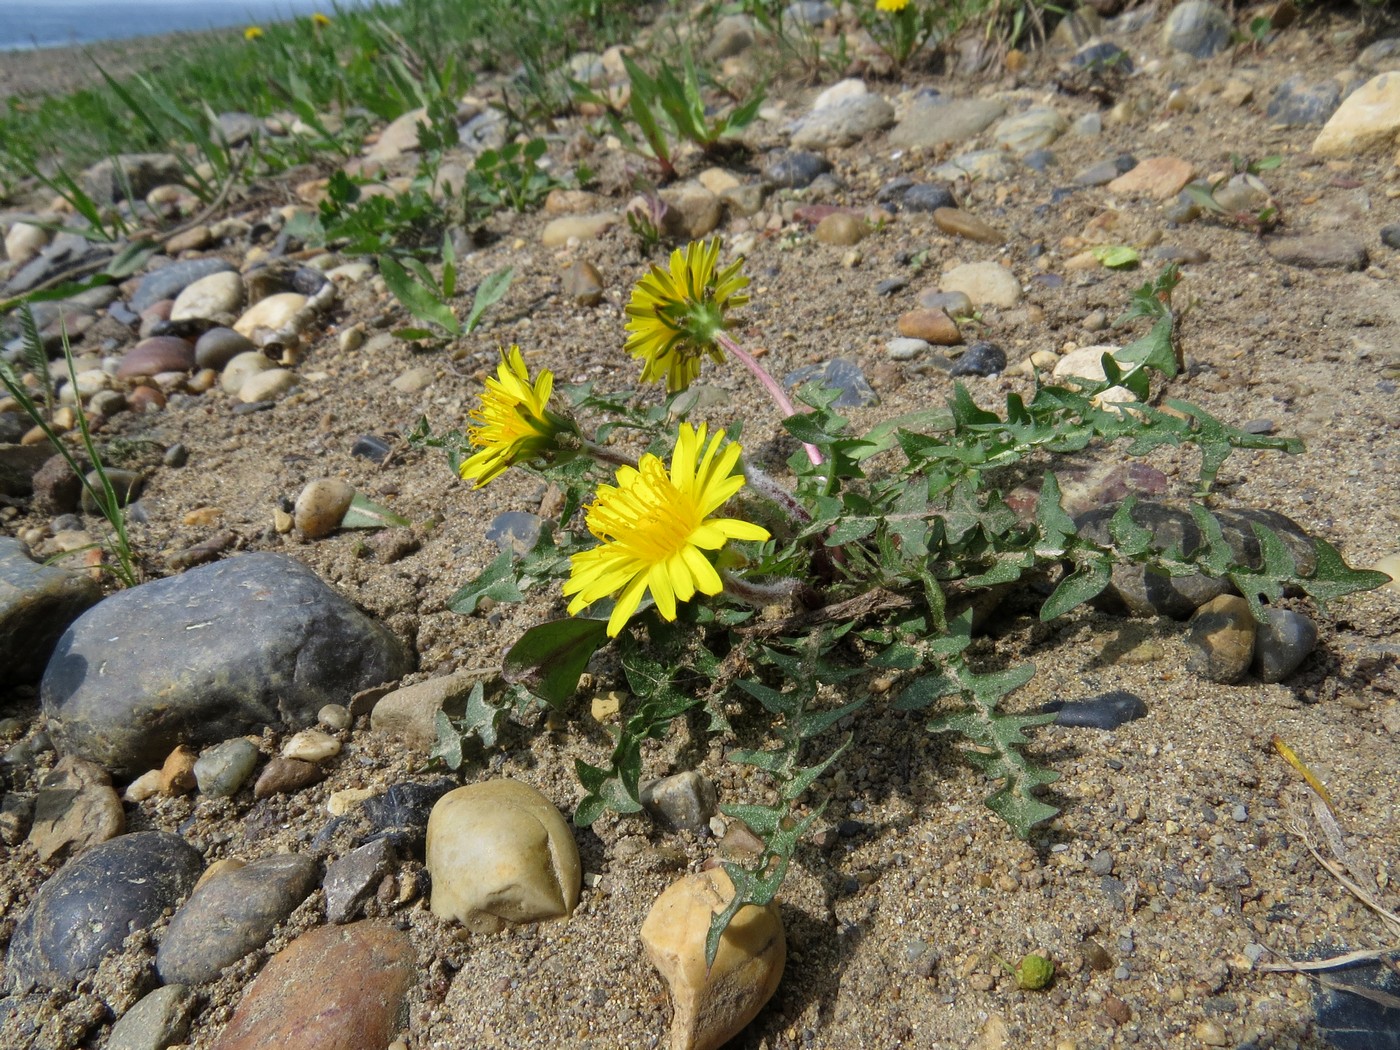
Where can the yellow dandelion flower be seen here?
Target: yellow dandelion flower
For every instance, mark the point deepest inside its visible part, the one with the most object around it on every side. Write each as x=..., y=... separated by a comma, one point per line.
x=319, y=20
x=675, y=315
x=253, y=33
x=891, y=5
x=655, y=528
x=514, y=423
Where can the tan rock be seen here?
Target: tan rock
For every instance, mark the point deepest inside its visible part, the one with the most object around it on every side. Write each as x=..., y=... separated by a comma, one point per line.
x=272, y=313
x=311, y=745
x=177, y=773
x=840, y=228
x=76, y=808
x=267, y=385
x=691, y=211
x=321, y=505
x=960, y=223
x=1369, y=119
x=410, y=714
x=244, y=365
x=712, y=1005
x=1159, y=177
x=499, y=853
x=24, y=241
x=399, y=137
x=932, y=326
x=558, y=232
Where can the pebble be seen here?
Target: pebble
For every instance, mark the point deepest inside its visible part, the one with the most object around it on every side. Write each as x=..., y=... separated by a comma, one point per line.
x=1221, y=637
x=160, y=353
x=286, y=776
x=224, y=768
x=684, y=801
x=927, y=197
x=311, y=745
x=24, y=241
x=242, y=367
x=1098, y=174
x=1320, y=251
x=840, y=228
x=335, y=717
x=959, y=223
x=1296, y=103
x=515, y=530
x=984, y=165
x=176, y=775
x=558, y=232
x=932, y=120
x=353, y=879
x=905, y=349
x=75, y=810
x=712, y=1005
x=94, y=902
x=370, y=447
x=1158, y=177
x=232, y=914
x=272, y=313
x=169, y=281
x=980, y=359
x=402, y=813
x=126, y=487
x=1106, y=711
x=1282, y=644
x=1034, y=129
x=499, y=852
x=409, y=714
x=1390, y=236
x=583, y=284
x=159, y=1020
x=267, y=385
x=414, y=381
x=333, y=988
x=321, y=505
x=1369, y=119
x=218, y=346
x=954, y=304
x=929, y=326
x=1102, y=55
x=985, y=283
x=37, y=603
x=842, y=123
x=795, y=169
x=215, y=296
x=1197, y=28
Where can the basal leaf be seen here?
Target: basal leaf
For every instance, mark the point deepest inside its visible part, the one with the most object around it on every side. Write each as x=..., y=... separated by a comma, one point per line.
x=549, y=657
x=366, y=514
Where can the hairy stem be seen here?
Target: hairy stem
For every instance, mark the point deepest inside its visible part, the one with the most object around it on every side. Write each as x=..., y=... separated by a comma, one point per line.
x=776, y=392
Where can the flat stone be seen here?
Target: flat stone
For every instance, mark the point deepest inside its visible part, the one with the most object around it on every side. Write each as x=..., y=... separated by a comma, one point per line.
x=37, y=604
x=558, y=232
x=333, y=988
x=160, y=1020
x=353, y=879
x=934, y=120
x=1197, y=28
x=1296, y=103
x=1034, y=129
x=94, y=902
x=169, y=281
x=255, y=640
x=985, y=165
x=930, y=326
x=960, y=223
x=232, y=914
x=160, y=353
x=284, y=776
x=1320, y=251
x=75, y=810
x=842, y=123
x=1158, y=177
x=985, y=283
x=311, y=745
x=1369, y=119
x=409, y=715
x=979, y=359
x=583, y=284
x=795, y=169
x=208, y=298
x=272, y=313
x=218, y=346
x=1106, y=711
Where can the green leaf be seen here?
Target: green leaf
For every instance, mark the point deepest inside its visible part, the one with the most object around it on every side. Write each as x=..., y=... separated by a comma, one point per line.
x=1205, y=197
x=488, y=293
x=549, y=657
x=448, y=746
x=480, y=719
x=1087, y=581
x=924, y=690
x=1334, y=578
x=498, y=582
x=1117, y=256
x=418, y=299
x=366, y=514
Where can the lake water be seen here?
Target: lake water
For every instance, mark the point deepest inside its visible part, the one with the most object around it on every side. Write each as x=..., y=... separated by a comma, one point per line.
x=58, y=23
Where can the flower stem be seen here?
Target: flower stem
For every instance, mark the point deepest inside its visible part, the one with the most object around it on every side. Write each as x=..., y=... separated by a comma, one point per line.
x=608, y=456
x=767, y=486
x=759, y=595
x=776, y=392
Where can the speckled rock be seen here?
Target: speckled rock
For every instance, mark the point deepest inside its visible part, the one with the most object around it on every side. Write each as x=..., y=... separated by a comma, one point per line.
x=1297, y=103
x=37, y=603
x=683, y=800
x=795, y=169
x=232, y=914
x=352, y=880
x=251, y=641
x=985, y=283
x=1368, y=120
x=222, y=769
x=932, y=120
x=333, y=988
x=1037, y=127
x=1197, y=28
x=160, y=1020
x=90, y=906
x=1221, y=639
x=842, y=123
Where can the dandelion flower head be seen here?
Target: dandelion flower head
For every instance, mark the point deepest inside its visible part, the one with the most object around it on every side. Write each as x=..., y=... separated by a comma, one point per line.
x=513, y=423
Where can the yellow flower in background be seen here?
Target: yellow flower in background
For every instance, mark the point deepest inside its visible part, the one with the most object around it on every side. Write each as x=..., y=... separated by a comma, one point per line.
x=655, y=528
x=253, y=33
x=514, y=423
x=891, y=5
x=675, y=315
x=319, y=20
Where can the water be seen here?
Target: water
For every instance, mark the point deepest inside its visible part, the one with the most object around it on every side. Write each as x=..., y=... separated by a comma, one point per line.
x=59, y=23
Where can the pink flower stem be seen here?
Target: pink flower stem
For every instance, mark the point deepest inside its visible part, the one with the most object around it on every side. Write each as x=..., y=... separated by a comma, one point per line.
x=776, y=392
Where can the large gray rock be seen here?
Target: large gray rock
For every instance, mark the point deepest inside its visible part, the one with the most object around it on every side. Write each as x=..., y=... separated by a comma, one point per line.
x=95, y=902
x=223, y=650
x=1198, y=28
x=842, y=123
x=932, y=120
x=37, y=603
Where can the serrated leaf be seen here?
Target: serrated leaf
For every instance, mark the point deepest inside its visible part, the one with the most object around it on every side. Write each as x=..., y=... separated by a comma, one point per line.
x=923, y=691
x=1205, y=197
x=549, y=657
x=366, y=514
x=1087, y=581
x=448, y=745
x=480, y=719
x=1130, y=537
x=1334, y=578
x=1055, y=525
x=497, y=582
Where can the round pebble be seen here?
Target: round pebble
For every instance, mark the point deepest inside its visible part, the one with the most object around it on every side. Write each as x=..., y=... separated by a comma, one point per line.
x=321, y=505
x=218, y=346
x=241, y=367
x=267, y=385
x=980, y=359
x=311, y=745
x=222, y=769
x=160, y=353
x=334, y=716
x=840, y=228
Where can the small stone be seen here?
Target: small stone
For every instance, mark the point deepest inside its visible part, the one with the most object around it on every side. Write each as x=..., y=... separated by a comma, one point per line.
x=161, y=353
x=215, y=296
x=1211, y=1034
x=169, y=281
x=982, y=165
x=959, y=223
x=838, y=374
x=930, y=326
x=1321, y=251
x=75, y=810
x=241, y=368
x=126, y=486
x=352, y=880
x=1197, y=28
x=410, y=714
x=159, y=1020
x=499, y=852
x=583, y=284
x=286, y=776
x=1369, y=119
x=980, y=359
x=1221, y=636
x=311, y=745
x=1106, y=711
x=691, y=211
x=840, y=228
x=927, y=197
x=147, y=785
x=1096, y=956
x=933, y=120
x=321, y=505
x=231, y=915
x=1099, y=174
x=842, y=123
x=224, y=768
x=795, y=169
x=1158, y=177
x=1296, y=103
x=333, y=988
x=1390, y=236
x=558, y=232
x=177, y=772
x=335, y=717
x=985, y=283
x=272, y=313
x=954, y=304
x=906, y=349
x=267, y=386
x=606, y=705
x=1117, y=1010
x=1034, y=129
x=24, y=241
x=1282, y=644
x=712, y=1005
x=414, y=381
x=685, y=800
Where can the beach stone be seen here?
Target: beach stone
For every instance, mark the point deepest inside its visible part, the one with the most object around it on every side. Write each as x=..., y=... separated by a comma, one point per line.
x=1390, y=235
x=1107, y=711
x=94, y=902
x=267, y=385
x=247, y=642
x=64, y=251
x=224, y=768
x=1197, y=28
x=959, y=223
x=558, y=232
x=1320, y=251
x=712, y=1005
x=25, y=241
x=1296, y=103
x=1140, y=592
x=985, y=283
x=980, y=359
x=1221, y=637
x=215, y=296
x=500, y=853
x=76, y=809
x=906, y=349
x=218, y=346
x=685, y=801
x=1098, y=174
x=159, y=1020
x=842, y=123
x=398, y=137
x=169, y=281
x=414, y=381
x=583, y=284
x=1158, y=177
x=932, y=120
x=795, y=169
x=311, y=745
x=1244, y=193
x=176, y=774
x=272, y=313
x=1282, y=643
x=126, y=486
x=160, y=353
x=840, y=228
x=954, y=304
x=691, y=211
x=333, y=988
x=1101, y=55
x=733, y=35
x=927, y=197
x=108, y=181
x=320, y=505
x=1369, y=119
x=930, y=326
x=986, y=165
x=743, y=201
x=231, y=914
x=243, y=367
x=37, y=603
x=284, y=776
x=401, y=814
x=409, y=715
x=839, y=92
x=1034, y=129
x=353, y=879
x=838, y=374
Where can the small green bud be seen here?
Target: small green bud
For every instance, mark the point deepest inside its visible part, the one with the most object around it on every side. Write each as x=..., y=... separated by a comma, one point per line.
x=1034, y=972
